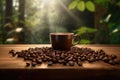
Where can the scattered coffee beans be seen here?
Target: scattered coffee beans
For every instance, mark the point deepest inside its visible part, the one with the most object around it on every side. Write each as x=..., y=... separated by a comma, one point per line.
x=75, y=55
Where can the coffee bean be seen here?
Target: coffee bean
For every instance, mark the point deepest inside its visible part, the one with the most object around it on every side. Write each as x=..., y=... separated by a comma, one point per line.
x=64, y=62
x=74, y=59
x=11, y=51
x=30, y=58
x=39, y=61
x=105, y=59
x=90, y=60
x=116, y=61
x=26, y=58
x=83, y=58
x=33, y=60
x=54, y=60
x=101, y=57
x=33, y=55
x=60, y=61
x=111, y=62
x=78, y=60
x=62, y=56
x=70, y=58
x=20, y=55
x=79, y=63
x=71, y=63
x=27, y=64
x=44, y=59
x=53, y=54
x=13, y=54
x=34, y=64
x=96, y=58
x=101, y=52
x=113, y=56
x=49, y=58
x=50, y=63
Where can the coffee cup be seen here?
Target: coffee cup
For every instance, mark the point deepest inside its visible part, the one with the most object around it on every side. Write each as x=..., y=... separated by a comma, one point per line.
x=63, y=41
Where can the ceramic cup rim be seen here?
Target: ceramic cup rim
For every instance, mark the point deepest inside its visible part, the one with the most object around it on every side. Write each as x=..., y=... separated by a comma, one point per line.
x=65, y=33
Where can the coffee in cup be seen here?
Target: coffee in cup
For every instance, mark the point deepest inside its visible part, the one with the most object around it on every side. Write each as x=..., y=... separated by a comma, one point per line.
x=62, y=41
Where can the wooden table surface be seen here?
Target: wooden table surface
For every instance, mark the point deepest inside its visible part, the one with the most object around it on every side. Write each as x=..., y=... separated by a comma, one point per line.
x=14, y=68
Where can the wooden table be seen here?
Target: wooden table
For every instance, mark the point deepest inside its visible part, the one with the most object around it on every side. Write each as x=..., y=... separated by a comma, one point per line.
x=13, y=68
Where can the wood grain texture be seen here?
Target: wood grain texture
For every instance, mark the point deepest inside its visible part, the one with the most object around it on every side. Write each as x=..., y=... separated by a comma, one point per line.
x=14, y=68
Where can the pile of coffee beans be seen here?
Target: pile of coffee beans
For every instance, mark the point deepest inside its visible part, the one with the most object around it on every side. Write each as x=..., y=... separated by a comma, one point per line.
x=74, y=56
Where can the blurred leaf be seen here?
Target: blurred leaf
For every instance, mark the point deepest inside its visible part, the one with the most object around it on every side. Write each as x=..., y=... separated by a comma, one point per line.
x=102, y=2
x=115, y=38
x=9, y=33
x=84, y=29
x=85, y=41
x=1, y=42
x=0, y=31
x=10, y=40
x=118, y=4
x=115, y=30
x=73, y=5
x=90, y=6
x=81, y=6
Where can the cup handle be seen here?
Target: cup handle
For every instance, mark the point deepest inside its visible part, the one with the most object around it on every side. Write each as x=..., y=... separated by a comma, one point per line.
x=78, y=39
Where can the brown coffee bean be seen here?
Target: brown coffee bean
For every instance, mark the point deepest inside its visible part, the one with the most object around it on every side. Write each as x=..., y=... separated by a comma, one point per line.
x=53, y=54
x=74, y=60
x=90, y=60
x=113, y=56
x=101, y=57
x=26, y=58
x=60, y=61
x=39, y=61
x=33, y=55
x=96, y=58
x=50, y=63
x=54, y=60
x=62, y=56
x=44, y=59
x=70, y=58
x=101, y=52
x=30, y=58
x=71, y=63
x=116, y=61
x=83, y=58
x=34, y=64
x=111, y=62
x=11, y=51
x=20, y=55
x=105, y=59
x=33, y=60
x=13, y=54
x=64, y=62
x=79, y=63
x=78, y=60
x=27, y=64
x=49, y=58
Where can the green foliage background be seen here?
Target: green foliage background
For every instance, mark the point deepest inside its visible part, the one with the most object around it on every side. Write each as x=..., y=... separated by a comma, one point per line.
x=113, y=10
x=41, y=19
